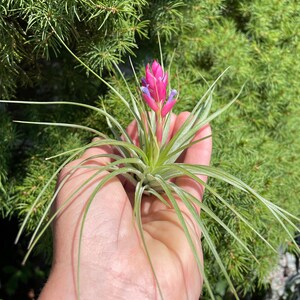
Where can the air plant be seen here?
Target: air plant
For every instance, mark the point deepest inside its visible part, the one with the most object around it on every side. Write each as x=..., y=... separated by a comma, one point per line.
x=151, y=164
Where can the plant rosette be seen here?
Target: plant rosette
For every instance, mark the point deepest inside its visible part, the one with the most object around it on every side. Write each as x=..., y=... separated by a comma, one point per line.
x=150, y=163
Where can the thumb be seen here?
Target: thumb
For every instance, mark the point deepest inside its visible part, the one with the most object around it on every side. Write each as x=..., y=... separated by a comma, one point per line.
x=102, y=212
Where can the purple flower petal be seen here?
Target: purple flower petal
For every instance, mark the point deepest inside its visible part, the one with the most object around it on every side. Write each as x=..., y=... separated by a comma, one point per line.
x=172, y=95
x=144, y=82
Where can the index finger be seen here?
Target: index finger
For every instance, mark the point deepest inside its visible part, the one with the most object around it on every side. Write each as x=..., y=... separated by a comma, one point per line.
x=197, y=154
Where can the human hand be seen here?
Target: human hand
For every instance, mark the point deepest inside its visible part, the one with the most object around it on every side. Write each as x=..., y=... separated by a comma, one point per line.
x=113, y=261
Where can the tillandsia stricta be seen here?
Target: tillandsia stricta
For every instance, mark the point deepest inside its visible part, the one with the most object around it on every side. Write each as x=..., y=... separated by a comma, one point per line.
x=150, y=162
x=154, y=91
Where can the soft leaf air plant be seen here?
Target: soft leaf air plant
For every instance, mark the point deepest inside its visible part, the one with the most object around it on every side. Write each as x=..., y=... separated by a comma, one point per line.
x=151, y=164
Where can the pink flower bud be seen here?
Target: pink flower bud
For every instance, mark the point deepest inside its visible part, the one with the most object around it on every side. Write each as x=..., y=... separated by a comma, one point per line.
x=169, y=104
x=149, y=100
x=150, y=79
x=157, y=70
x=160, y=93
x=156, y=81
x=154, y=88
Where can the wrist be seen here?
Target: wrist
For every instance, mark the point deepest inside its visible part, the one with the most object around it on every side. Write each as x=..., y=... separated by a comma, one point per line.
x=94, y=284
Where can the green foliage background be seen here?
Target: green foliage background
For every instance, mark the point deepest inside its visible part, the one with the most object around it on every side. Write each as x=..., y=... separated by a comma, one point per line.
x=256, y=140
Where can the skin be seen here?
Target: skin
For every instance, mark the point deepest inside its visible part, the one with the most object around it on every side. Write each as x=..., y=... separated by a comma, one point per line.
x=113, y=261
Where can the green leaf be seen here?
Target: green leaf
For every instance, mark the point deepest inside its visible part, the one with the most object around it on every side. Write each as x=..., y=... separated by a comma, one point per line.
x=168, y=192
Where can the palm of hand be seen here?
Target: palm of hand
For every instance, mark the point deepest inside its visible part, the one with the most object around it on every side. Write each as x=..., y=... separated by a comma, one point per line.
x=113, y=261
